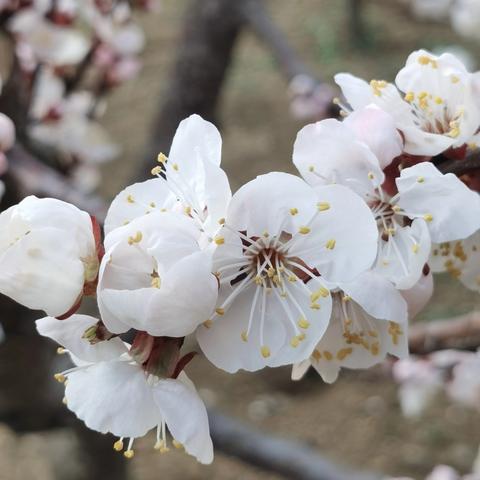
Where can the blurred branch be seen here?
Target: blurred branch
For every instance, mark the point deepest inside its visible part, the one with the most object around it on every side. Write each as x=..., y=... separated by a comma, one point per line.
x=33, y=177
x=462, y=332
x=289, y=459
x=461, y=167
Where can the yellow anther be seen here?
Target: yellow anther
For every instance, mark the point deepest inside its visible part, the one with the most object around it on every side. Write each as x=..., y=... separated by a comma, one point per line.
x=396, y=208
x=220, y=311
x=258, y=280
x=454, y=79
x=428, y=217
x=316, y=355
x=415, y=248
x=208, y=323
x=422, y=95
x=311, y=168
x=187, y=210
x=424, y=60
x=331, y=244
x=454, y=132
x=327, y=355
x=221, y=221
x=293, y=211
x=375, y=348
x=315, y=306
x=59, y=377
x=129, y=454
x=155, y=282
x=244, y=336
x=373, y=333
x=136, y=239
x=420, y=179
x=409, y=97
x=265, y=351
x=438, y=100
x=294, y=342
x=321, y=292
x=371, y=176
x=156, y=170
x=301, y=336
x=292, y=278
x=61, y=351
x=118, y=446
x=391, y=231
x=177, y=444
x=322, y=206
x=271, y=272
x=346, y=298
x=163, y=210
x=344, y=353
x=265, y=234
x=219, y=240
x=304, y=230
x=126, y=222
x=303, y=323
x=175, y=167
x=377, y=85
x=161, y=158
x=130, y=199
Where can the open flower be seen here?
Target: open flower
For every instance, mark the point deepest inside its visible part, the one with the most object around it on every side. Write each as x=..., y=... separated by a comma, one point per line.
x=155, y=278
x=281, y=241
x=437, y=110
x=460, y=258
x=429, y=206
x=48, y=254
x=369, y=320
x=112, y=393
x=190, y=179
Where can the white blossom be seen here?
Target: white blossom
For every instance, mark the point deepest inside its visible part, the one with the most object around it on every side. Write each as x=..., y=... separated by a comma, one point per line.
x=112, y=393
x=155, y=278
x=47, y=254
x=438, y=109
x=281, y=241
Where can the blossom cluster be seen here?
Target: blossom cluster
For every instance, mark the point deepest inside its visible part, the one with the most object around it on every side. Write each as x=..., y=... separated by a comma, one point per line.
x=320, y=269
x=69, y=54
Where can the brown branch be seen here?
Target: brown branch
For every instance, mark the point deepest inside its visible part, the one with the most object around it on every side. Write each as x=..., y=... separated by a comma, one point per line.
x=461, y=167
x=33, y=177
x=462, y=332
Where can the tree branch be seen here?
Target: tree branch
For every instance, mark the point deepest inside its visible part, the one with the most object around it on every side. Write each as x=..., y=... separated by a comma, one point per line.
x=462, y=332
x=461, y=167
x=290, y=459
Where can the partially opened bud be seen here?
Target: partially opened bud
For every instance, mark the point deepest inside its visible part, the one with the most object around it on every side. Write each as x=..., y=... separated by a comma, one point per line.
x=7, y=133
x=48, y=254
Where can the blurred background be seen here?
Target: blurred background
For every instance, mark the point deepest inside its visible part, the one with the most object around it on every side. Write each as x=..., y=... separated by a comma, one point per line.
x=357, y=421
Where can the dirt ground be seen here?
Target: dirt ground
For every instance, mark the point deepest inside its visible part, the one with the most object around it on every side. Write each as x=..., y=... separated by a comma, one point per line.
x=356, y=421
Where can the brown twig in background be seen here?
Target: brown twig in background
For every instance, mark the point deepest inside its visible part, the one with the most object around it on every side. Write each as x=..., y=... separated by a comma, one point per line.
x=462, y=332
x=461, y=167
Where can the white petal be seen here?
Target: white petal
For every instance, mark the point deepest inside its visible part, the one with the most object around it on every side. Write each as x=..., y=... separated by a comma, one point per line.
x=195, y=135
x=69, y=334
x=454, y=208
x=419, y=295
x=42, y=270
x=376, y=128
x=328, y=152
x=113, y=397
x=185, y=416
x=300, y=369
x=222, y=342
x=377, y=296
x=343, y=239
x=357, y=91
x=402, y=256
x=264, y=204
x=137, y=200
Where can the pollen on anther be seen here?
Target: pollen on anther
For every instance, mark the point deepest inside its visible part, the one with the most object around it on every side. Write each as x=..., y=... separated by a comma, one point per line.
x=219, y=311
x=130, y=199
x=136, y=239
x=428, y=217
x=294, y=342
x=420, y=179
x=208, y=323
x=156, y=170
x=316, y=355
x=303, y=323
x=175, y=167
x=59, y=377
x=161, y=158
x=244, y=336
x=221, y=221
x=331, y=244
x=293, y=211
x=219, y=240
x=61, y=351
x=304, y=230
x=371, y=175
x=265, y=351
x=322, y=206
x=311, y=168
x=177, y=444
x=129, y=454
x=118, y=446
x=415, y=248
